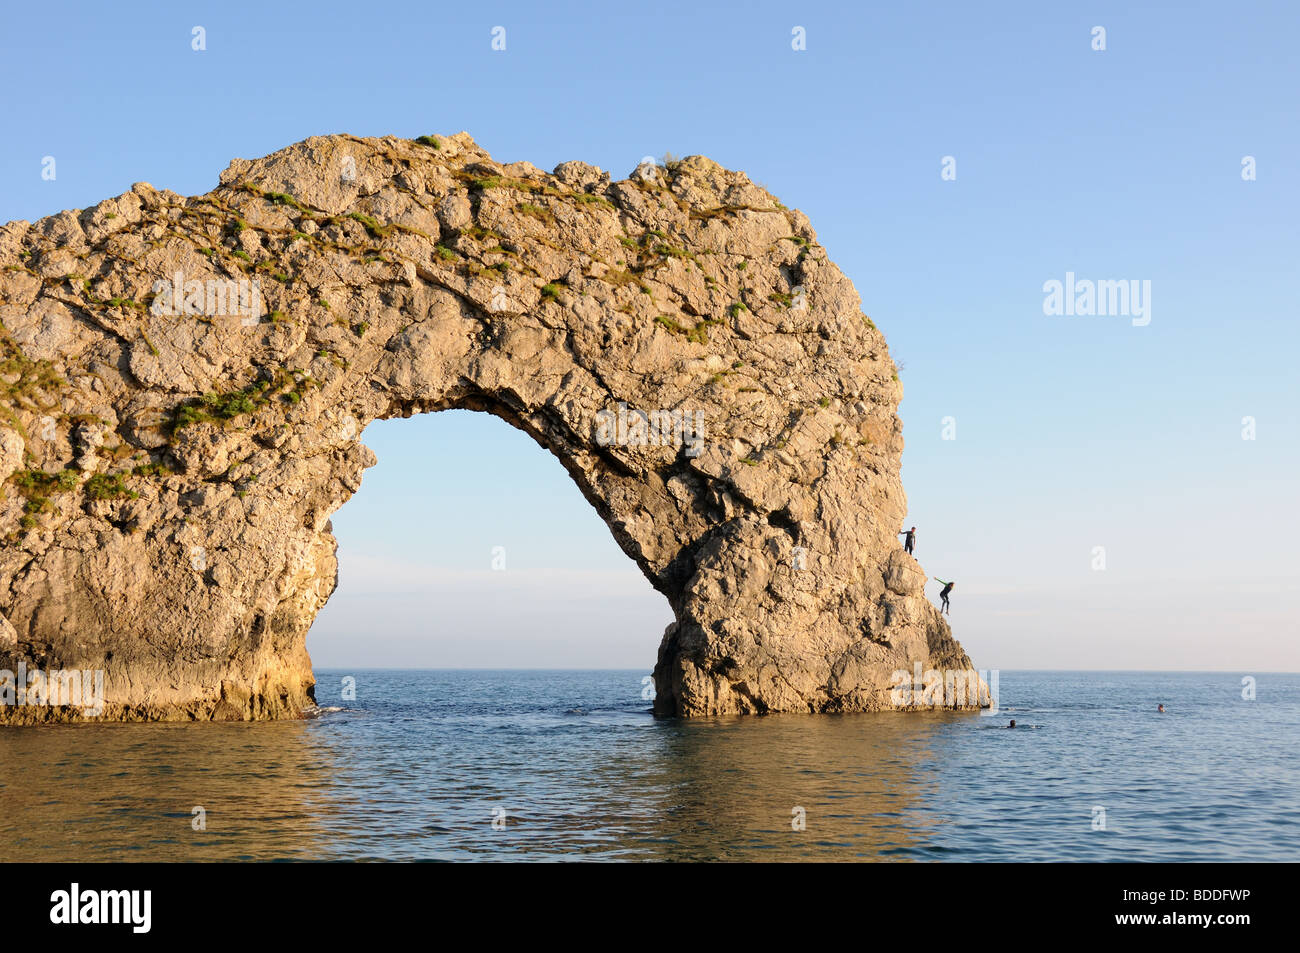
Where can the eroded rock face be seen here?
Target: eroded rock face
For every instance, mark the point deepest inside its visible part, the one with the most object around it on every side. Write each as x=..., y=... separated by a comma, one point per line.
x=171, y=460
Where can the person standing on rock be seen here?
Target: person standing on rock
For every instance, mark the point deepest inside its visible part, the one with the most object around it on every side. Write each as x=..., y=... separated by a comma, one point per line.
x=909, y=541
x=943, y=593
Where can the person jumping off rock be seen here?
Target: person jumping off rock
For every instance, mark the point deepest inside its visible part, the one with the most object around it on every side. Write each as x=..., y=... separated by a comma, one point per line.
x=909, y=543
x=943, y=594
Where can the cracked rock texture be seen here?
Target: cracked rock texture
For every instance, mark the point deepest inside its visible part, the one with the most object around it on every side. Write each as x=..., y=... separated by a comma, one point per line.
x=169, y=478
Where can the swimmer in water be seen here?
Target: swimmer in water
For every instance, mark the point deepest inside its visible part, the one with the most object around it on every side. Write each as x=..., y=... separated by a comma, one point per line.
x=1013, y=723
x=1160, y=708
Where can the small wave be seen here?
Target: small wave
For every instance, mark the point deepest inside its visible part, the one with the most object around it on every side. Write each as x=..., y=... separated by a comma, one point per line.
x=317, y=711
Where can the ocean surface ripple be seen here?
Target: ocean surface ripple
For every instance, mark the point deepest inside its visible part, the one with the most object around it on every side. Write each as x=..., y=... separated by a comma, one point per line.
x=551, y=765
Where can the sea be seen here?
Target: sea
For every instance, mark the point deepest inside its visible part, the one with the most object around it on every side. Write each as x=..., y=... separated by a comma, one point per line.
x=471, y=765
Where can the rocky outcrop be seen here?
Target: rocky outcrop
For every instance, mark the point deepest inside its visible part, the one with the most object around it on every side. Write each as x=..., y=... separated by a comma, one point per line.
x=186, y=381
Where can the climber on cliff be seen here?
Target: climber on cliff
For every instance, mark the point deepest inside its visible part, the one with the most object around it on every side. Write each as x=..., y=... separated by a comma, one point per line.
x=943, y=593
x=909, y=543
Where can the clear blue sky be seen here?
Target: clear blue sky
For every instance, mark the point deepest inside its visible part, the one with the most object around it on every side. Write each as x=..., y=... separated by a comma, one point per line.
x=1072, y=432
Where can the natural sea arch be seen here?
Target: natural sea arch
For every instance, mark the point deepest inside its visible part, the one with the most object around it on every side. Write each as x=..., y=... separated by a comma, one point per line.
x=172, y=460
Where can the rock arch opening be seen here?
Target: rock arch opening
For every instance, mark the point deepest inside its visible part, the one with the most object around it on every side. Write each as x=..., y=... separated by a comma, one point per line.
x=468, y=546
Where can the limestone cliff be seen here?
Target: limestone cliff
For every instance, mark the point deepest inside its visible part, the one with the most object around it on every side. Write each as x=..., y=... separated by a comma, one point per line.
x=185, y=382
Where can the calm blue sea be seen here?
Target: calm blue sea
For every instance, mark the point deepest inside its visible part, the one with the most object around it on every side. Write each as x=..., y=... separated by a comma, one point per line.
x=547, y=765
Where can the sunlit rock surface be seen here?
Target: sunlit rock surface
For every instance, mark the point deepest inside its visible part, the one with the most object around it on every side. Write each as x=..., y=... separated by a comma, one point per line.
x=186, y=382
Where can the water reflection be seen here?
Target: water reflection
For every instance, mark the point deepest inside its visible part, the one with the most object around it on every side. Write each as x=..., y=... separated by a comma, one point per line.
x=127, y=792
x=617, y=786
x=556, y=765
x=729, y=789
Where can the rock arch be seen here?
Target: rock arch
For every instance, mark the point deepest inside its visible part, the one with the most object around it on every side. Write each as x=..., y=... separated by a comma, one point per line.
x=679, y=340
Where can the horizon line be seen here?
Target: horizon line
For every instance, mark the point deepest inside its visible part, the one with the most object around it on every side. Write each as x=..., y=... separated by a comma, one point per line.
x=1064, y=671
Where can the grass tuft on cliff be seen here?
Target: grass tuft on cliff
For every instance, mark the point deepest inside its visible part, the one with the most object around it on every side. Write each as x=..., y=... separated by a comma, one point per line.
x=106, y=486
x=37, y=486
x=24, y=384
x=216, y=407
